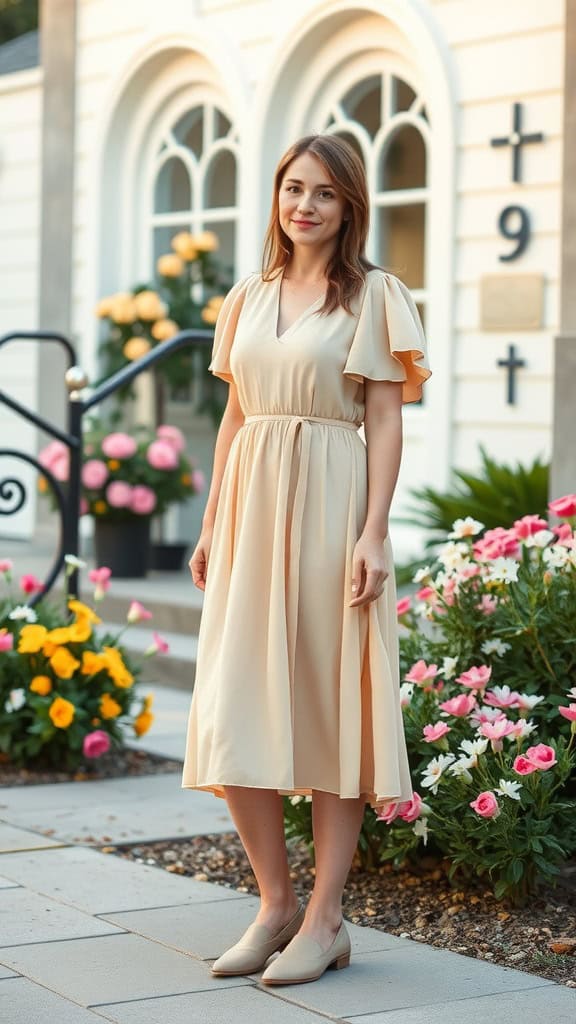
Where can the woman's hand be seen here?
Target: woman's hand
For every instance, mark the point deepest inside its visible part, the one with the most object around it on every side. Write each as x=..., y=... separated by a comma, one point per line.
x=198, y=564
x=369, y=571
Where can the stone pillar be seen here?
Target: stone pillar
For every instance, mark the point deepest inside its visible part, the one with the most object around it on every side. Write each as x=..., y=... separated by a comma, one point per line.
x=563, y=475
x=58, y=59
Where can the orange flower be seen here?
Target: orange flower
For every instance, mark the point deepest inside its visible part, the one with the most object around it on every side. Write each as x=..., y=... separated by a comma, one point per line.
x=100, y=508
x=92, y=663
x=143, y=722
x=42, y=484
x=113, y=464
x=41, y=685
x=48, y=648
x=31, y=639
x=116, y=668
x=63, y=664
x=61, y=712
x=109, y=708
x=186, y=479
x=62, y=635
x=83, y=611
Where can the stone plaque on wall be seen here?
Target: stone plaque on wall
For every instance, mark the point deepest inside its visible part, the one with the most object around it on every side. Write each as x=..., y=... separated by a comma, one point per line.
x=511, y=302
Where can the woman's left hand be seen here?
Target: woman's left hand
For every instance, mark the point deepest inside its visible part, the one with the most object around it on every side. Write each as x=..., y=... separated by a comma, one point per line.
x=369, y=571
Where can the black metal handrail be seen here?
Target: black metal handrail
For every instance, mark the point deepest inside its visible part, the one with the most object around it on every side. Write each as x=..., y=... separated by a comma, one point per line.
x=68, y=499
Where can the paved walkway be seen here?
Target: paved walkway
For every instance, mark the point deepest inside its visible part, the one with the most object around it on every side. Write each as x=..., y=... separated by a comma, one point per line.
x=86, y=936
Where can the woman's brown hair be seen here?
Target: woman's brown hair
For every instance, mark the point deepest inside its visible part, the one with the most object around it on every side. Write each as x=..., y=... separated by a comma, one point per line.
x=346, y=271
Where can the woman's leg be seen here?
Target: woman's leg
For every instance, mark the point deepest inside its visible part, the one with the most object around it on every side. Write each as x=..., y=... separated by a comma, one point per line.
x=258, y=815
x=336, y=824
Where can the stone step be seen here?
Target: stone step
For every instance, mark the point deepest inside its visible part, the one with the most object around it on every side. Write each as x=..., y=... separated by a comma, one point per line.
x=177, y=668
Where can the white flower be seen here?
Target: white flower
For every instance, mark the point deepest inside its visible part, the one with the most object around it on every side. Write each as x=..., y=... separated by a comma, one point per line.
x=294, y=800
x=424, y=610
x=509, y=789
x=572, y=693
x=422, y=575
x=539, y=539
x=449, y=667
x=406, y=691
x=503, y=570
x=522, y=729
x=433, y=772
x=22, y=611
x=486, y=714
x=420, y=829
x=467, y=527
x=461, y=768
x=474, y=748
x=454, y=556
x=494, y=647
x=528, y=701
x=15, y=700
x=74, y=563
x=556, y=557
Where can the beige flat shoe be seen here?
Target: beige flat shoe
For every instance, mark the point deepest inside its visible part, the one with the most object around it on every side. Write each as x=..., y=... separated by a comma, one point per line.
x=305, y=960
x=251, y=952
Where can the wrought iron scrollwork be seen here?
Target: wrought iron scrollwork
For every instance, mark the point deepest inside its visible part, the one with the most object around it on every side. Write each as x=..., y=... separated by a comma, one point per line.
x=11, y=490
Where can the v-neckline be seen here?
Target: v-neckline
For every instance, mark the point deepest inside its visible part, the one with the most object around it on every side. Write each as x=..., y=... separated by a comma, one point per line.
x=280, y=337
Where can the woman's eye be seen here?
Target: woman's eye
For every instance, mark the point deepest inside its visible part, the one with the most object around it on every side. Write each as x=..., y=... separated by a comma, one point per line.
x=327, y=195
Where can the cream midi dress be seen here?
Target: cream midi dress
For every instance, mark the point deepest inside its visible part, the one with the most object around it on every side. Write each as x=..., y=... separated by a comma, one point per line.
x=294, y=689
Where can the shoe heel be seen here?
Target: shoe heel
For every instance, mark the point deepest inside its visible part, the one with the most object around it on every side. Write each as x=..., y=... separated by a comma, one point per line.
x=340, y=962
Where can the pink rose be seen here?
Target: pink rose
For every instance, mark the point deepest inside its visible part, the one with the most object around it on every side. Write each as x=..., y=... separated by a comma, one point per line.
x=522, y=766
x=568, y=712
x=496, y=543
x=476, y=677
x=403, y=606
x=411, y=809
x=119, y=494
x=435, y=732
x=96, y=743
x=6, y=641
x=486, y=805
x=541, y=756
x=421, y=672
x=459, y=706
x=94, y=474
x=173, y=436
x=389, y=813
x=528, y=525
x=198, y=481
x=143, y=500
x=564, y=534
x=138, y=613
x=161, y=455
x=30, y=584
x=6, y=565
x=563, y=507
x=119, y=446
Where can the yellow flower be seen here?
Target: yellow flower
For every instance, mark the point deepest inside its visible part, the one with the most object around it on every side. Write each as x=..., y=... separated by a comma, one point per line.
x=92, y=663
x=149, y=306
x=186, y=480
x=122, y=309
x=183, y=244
x=209, y=315
x=104, y=306
x=63, y=663
x=148, y=701
x=83, y=611
x=62, y=635
x=206, y=241
x=42, y=484
x=31, y=639
x=169, y=265
x=113, y=464
x=162, y=330
x=100, y=508
x=136, y=347
x=109, y=708
x=143, y=722
x=116, y=668
x=48, y=648
x=41, y=685
x=216, y=301
x=61, y=712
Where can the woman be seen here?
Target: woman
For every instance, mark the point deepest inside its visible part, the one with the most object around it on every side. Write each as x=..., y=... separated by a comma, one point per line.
x=297, y=688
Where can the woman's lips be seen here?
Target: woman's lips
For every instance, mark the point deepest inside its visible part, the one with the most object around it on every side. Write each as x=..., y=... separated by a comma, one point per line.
x=305, y=223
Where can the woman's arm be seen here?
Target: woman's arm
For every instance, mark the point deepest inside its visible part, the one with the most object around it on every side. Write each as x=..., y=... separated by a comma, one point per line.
x=232, y=420
x=383, y=433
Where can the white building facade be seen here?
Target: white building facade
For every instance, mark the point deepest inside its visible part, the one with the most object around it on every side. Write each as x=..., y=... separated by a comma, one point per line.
x=182, y=110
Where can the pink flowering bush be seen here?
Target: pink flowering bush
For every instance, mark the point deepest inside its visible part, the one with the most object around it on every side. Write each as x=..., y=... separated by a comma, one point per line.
x=129, y=477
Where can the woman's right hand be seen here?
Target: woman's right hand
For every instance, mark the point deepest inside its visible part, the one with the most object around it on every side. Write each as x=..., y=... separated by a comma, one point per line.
x=198, y=564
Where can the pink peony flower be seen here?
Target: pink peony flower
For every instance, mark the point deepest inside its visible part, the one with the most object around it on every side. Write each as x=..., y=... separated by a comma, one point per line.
x=565, y=506
x=96, y=743
x=56, y=458
x=421, y=672
x=173, y=436
x=522, y=766
x=119, y=494
x=528, y=525
x=138, y=613
x=476, y=677
x=6, y=565
x=119, y=446
x=143, y=500
x=94, y=474
x=198, y=481
x=6, y=641
x=30, y=584
x=435, y=732
x=161, y=455
x=409, y=810
x=403, y=606
x=568, y=712
x=459, y=706
x=541, y=756
x=486, y=805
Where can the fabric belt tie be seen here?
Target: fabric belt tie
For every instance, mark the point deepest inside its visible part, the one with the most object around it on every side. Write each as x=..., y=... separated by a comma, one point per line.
x=303, y=425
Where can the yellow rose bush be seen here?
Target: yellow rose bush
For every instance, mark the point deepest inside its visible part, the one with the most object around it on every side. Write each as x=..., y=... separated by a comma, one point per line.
x=66, y=687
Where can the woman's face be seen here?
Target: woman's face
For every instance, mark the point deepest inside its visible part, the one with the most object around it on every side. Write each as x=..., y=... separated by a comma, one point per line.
x=310, y=207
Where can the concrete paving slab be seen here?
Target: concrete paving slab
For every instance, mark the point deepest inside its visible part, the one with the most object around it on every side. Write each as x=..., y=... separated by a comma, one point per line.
x=7, y=883
x=132, y=809
x=6, y=974
x=12, y=838
x=27, y=917
x=551, y=1002
x=111, y=969
x=223, y=1007
x=400, y=978
x=100, y=883
x=23, y=1002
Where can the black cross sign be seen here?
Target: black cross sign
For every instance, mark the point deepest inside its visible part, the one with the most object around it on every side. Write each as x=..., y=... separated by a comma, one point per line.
x=516, y=139
x=512, y=363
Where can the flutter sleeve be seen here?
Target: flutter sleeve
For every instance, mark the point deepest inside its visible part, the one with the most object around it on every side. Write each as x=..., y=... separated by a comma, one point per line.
x=389, y=342
x=225, y=330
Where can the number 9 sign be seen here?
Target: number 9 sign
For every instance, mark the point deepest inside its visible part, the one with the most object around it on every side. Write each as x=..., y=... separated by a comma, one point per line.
x=514, y=224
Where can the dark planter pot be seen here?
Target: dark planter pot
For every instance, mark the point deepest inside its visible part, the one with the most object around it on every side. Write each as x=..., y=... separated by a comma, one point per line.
x=123, y=546
x=168, y=557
